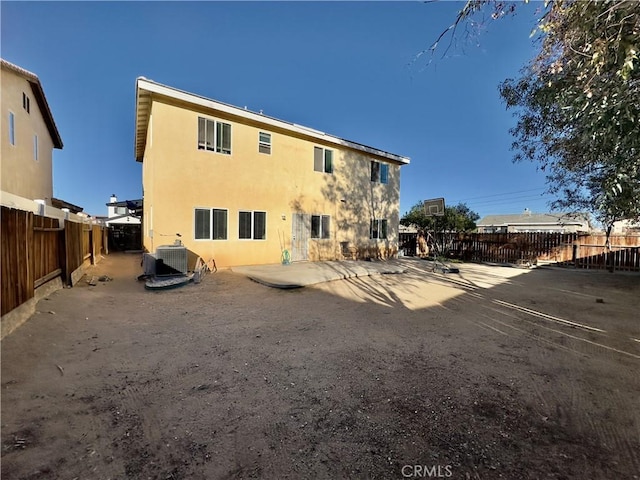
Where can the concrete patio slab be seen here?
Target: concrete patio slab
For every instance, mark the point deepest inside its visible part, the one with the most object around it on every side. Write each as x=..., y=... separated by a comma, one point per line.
x=300, y=274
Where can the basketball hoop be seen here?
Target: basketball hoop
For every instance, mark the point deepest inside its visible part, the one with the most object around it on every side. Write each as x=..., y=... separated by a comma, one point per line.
x=434, y=207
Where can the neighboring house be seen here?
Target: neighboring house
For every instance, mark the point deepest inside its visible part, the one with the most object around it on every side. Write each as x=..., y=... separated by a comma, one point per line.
x=123, y=220
x=29, y=136
x=242, y=187
x=124, y=212
x=624, y=227
x=63, y=205
x=535, y=222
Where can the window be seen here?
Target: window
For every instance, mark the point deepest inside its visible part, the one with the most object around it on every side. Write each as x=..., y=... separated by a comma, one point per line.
x=322, y=160
x=35, y=147
x=12, y=128
x=379, y=172
x=26, y=102
x=252, y=225
x=320, y=226
x=121, y=210
x=384, y=173
x=210, y=224
x=378, y=229
x=214, y=136
x=264, y=143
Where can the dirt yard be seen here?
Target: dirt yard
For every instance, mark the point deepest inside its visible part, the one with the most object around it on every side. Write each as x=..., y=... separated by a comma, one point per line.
x=491, y=373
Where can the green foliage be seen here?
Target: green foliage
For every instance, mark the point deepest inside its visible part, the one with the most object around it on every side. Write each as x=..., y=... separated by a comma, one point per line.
x=578, y=102
x=578, y=105
x=459, y=218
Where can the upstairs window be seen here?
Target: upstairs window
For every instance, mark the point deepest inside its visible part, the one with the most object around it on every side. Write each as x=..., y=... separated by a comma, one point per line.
x=322, y=160
x=26, y=102
x=320, y=226
x=35, y=147
x=384, y=173
x=252, y=225
x=264, y=143
x=378, y=228
x=214, y=136
x=379, y=172
x=12, y=128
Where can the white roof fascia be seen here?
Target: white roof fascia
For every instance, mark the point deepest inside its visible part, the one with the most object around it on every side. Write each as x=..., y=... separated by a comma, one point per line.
x=153, y=87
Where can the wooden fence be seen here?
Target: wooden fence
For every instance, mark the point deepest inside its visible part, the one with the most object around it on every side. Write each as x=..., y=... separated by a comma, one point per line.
x=591, y=252
x=37, y=249
x=565, y=249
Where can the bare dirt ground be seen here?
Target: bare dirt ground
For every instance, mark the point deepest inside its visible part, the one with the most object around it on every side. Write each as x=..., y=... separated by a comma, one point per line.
x=491, y=373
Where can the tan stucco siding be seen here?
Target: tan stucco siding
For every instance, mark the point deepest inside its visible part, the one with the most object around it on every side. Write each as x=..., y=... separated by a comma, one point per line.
x=178, y=178
x=21, y=174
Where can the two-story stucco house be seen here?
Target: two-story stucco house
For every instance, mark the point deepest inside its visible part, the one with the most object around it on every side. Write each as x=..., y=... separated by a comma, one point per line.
x=244, y=188
x=29, y=136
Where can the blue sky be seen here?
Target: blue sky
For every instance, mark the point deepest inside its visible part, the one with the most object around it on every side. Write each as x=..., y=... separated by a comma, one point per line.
x=347, y=69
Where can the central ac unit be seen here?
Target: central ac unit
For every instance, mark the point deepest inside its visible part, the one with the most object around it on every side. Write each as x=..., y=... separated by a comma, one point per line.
x=171, y=260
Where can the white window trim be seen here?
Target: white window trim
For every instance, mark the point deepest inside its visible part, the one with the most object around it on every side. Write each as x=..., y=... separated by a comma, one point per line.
x=210, y=239
x=215, y=136
x=252, y=212
x=321, y=237
x=333, y=159
x=379, y=220
x=26, y=103
x=264, y=144
x=381, y=165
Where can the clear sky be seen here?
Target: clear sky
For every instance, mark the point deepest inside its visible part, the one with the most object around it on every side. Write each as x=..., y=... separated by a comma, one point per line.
x=347, y=69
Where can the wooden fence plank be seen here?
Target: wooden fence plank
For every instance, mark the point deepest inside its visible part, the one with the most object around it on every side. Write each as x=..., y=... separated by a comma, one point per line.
x=37, y=249
x=573, y=249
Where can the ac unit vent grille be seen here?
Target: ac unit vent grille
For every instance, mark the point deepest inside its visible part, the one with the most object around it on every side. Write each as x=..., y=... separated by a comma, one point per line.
x=173, y=257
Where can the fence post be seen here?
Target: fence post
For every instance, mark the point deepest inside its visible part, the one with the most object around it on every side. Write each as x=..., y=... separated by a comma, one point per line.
x=105, y=239
x=92, y=246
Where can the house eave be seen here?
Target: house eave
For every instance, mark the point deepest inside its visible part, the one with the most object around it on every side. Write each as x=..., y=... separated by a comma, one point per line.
x=146, y=88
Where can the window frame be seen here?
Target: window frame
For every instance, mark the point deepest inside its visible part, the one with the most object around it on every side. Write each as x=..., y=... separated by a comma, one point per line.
x=262, y=144
x=381, y=228
x=379, y=172
x=384, y=173
x=216, y=145
x=252, y=233
x=322, y=233
x=212, y=224
x=26, y=103
x=12, y=128
x=323, y=160
x=36, y=148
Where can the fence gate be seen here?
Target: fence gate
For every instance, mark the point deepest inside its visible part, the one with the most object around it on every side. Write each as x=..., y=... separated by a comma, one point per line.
x=301, y=226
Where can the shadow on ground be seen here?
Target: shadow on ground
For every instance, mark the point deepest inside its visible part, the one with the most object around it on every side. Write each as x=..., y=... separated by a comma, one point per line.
x=490, y=373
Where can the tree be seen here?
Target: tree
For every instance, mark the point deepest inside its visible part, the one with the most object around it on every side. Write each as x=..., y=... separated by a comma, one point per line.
x=578, y=103
x=457, y=219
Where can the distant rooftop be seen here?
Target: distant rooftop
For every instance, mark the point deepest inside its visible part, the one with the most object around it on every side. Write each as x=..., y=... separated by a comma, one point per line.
x=528, y=218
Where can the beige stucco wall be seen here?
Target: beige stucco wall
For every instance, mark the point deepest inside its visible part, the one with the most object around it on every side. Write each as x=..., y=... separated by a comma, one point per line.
x=20, y=173
x=177, y=178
